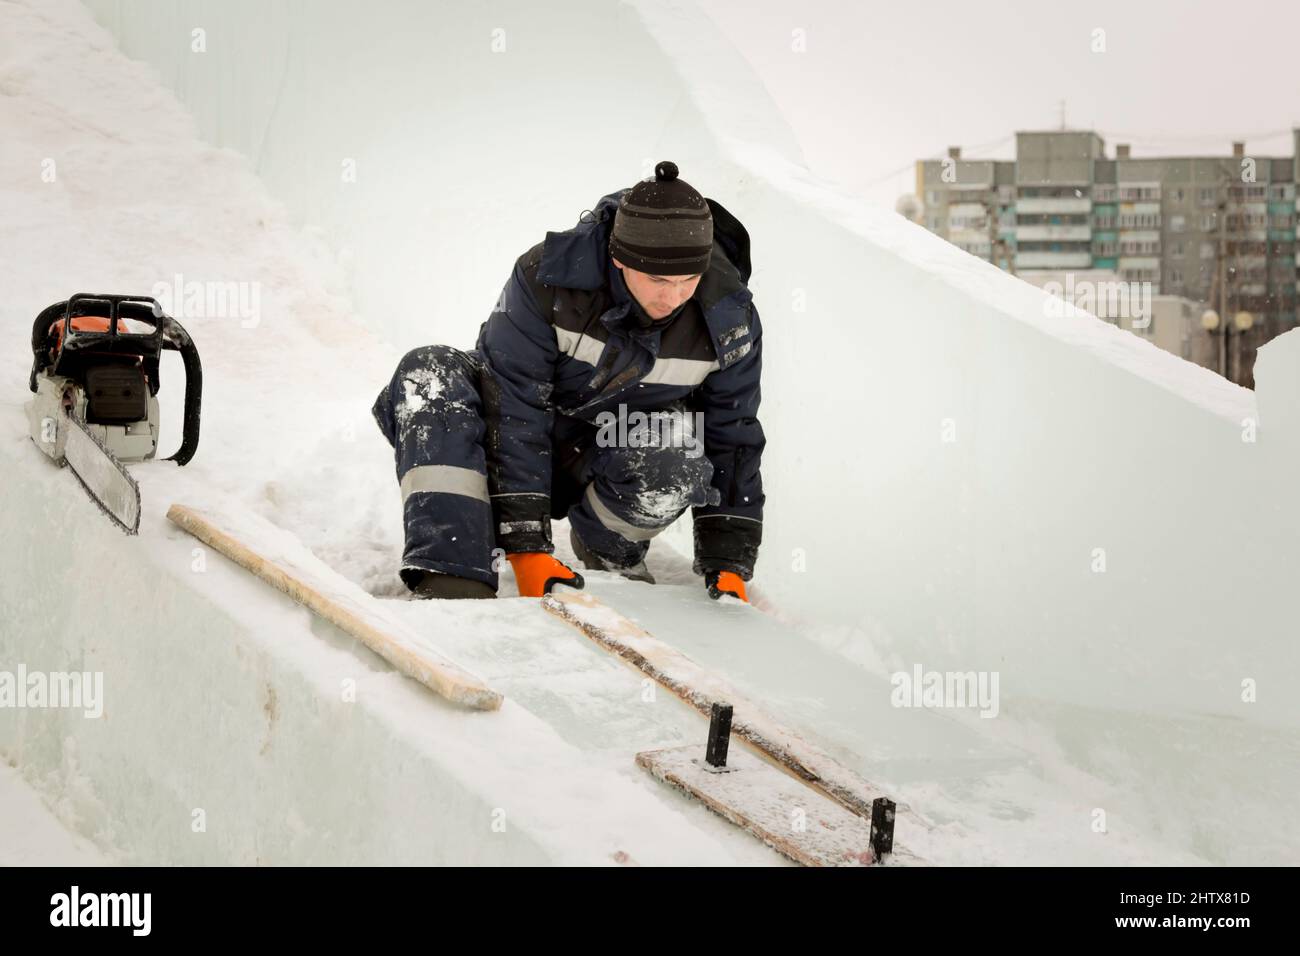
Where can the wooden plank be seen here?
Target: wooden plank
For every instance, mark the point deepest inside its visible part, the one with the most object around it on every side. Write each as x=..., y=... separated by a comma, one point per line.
x=246, y=539
x=699, y=688
x=799, y=823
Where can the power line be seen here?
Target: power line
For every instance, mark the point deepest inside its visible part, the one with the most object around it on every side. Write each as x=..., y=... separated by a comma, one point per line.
x=979, y=147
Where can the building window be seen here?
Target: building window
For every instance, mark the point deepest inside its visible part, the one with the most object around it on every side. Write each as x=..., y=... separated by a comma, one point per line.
x=1134, y=193
x=1145, y=220
x=1176, y=250
x=1175, y=277
x=1209, y=221
x=1253, y=192
x=1177, y=223
x=1207, y=197
x=1178, y=195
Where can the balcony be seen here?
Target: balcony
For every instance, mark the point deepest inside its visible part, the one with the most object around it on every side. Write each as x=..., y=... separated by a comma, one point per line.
x=1053, y=260
x=1034, y=204
x=1076, y=233
x=1134, y=192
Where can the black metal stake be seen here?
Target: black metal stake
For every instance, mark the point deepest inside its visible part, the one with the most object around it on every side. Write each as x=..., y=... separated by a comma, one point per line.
x=715, y=755
x=882, y=826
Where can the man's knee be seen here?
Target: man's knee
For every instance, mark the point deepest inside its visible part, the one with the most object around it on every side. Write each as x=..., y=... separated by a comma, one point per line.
x=425, y=356
x=432, y=382
x=435, y=375
x=659, y=483
x=446, y=362
x=667, y=468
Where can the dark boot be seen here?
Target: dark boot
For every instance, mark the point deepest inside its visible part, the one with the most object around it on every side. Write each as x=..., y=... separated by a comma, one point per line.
x=448, y=586
x=594, y=562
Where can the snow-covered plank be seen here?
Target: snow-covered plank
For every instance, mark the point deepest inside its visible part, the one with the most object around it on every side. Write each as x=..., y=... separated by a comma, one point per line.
x=280, y=559
x=798, y=822
x=700, y=688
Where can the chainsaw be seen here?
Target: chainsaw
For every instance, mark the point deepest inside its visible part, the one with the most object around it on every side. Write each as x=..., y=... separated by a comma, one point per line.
x=95, y=375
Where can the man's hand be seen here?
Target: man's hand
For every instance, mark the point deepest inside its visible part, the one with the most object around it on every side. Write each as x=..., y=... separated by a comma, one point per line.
x=725, y=582
x=536, y=573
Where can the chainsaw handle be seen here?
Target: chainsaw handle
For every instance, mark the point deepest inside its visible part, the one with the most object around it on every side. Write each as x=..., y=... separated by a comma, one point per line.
x=114, y=309
x=64, y=312
x=177, y=339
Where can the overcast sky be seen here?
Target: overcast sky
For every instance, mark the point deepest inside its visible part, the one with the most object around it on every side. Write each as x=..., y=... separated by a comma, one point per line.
x=884, y=84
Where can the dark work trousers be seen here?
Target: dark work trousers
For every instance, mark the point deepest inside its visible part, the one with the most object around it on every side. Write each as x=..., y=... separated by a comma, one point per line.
x=617, y=498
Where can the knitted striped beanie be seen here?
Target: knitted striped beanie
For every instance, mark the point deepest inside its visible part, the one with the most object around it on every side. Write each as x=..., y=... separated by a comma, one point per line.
x=663, y=226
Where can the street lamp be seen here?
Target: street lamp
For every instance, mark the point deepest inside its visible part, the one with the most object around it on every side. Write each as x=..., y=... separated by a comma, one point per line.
x=1241, y=323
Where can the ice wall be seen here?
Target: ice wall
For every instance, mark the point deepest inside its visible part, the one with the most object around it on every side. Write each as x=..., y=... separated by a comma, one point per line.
x=956, y=478
x=975, y=485
x=434, y=142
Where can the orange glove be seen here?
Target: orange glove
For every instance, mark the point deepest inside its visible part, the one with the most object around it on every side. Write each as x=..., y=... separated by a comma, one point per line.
x=725, y=582
x=536, y=573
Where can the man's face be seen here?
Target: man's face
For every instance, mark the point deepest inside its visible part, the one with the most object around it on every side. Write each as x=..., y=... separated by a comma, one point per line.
x=658, y=295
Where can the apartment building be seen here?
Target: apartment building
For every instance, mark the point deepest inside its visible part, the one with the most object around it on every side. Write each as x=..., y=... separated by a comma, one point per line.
x=1218, y=230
